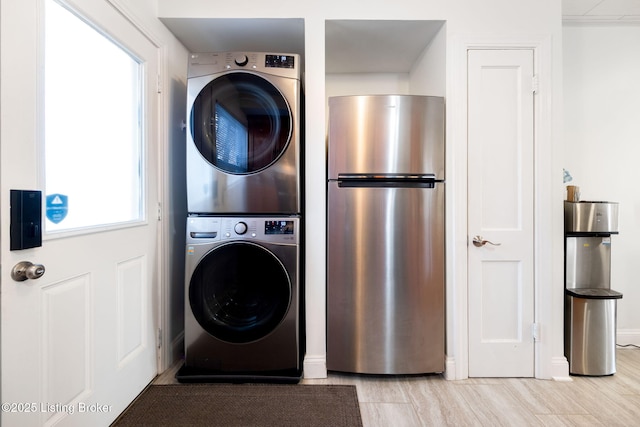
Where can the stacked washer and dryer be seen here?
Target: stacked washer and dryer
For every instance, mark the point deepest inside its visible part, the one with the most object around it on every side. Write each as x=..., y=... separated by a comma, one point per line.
x=242, y=291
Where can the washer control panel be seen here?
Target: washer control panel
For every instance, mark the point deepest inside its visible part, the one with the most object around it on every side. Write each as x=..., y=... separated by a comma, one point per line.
x=271, y=229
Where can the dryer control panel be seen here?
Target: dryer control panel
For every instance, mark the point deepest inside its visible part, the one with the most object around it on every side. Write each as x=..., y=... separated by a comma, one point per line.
x=277, y=64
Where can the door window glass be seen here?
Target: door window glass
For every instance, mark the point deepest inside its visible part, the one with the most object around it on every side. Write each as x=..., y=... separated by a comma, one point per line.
x=240, y=123
x=92, y=126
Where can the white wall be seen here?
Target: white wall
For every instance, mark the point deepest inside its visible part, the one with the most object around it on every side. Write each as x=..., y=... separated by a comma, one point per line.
x=428, y=75
x=501, y=21
x=366, y=84
x=602, y=142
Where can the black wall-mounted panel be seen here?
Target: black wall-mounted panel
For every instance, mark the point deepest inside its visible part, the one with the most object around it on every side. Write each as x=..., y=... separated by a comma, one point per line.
x=26, y=219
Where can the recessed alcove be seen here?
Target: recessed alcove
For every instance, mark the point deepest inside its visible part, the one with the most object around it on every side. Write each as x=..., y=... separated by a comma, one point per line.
x=385, y=57
x=277, y=35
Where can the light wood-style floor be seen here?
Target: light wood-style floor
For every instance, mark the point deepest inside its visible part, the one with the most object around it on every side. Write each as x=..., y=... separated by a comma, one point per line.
x=432, y=401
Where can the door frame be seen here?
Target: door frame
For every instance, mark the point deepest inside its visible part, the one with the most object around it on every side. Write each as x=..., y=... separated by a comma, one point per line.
x=168, y=348
x=160, y=288
x=550, y=362
x=171, y=183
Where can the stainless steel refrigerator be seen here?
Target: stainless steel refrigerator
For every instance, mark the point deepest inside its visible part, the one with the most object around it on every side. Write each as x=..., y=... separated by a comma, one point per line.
x=386, y=237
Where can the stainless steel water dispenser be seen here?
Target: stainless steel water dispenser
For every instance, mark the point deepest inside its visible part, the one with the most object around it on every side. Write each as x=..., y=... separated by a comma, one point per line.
x=590, y=303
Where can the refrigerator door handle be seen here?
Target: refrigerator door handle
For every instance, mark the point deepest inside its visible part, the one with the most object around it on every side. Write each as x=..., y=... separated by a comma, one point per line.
x=387, y=176
x=479, y=242
x=387, y=180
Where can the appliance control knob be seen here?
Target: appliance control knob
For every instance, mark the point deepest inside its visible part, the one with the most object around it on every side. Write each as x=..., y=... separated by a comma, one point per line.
x=241, y=60
x=240, y=228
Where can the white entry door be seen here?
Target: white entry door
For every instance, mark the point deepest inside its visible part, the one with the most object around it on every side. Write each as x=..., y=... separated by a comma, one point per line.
x=78, y=343
x=501, y=212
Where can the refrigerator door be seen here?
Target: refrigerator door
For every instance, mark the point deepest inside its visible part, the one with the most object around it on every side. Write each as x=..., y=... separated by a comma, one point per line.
x=391, y=134
x=385, y=288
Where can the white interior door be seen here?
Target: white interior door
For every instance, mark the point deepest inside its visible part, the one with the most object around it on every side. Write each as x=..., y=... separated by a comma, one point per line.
x=78, y=344
x=501, y=211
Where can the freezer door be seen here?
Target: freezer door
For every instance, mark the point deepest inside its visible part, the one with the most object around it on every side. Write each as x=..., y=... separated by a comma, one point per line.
x=385, y=289
x=391, y=134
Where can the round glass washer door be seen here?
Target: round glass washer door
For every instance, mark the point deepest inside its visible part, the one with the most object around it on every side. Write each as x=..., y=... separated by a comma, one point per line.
x=240, y=292
x=241, y=123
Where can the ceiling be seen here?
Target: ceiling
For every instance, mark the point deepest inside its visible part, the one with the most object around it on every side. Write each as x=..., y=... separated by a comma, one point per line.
x=375, y=46
x=601, y=10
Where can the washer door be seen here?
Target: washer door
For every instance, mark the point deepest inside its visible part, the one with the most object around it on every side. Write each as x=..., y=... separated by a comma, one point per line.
x=241, y=123
x=240, y=292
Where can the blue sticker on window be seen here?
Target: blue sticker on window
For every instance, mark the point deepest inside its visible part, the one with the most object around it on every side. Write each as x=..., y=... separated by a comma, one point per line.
x=57, y=207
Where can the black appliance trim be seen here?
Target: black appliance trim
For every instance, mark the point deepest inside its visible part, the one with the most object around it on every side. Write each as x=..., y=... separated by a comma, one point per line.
x=590, y=233
x=593, y=293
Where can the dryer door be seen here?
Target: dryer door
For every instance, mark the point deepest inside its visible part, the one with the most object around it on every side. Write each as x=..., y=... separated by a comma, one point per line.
x=241, y=123
x=240, y=292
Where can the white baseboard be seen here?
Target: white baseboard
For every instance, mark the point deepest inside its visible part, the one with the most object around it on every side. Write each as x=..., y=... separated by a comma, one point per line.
x=315, y=366
x=560, y=369
x=450, y=369
x=628, y=336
